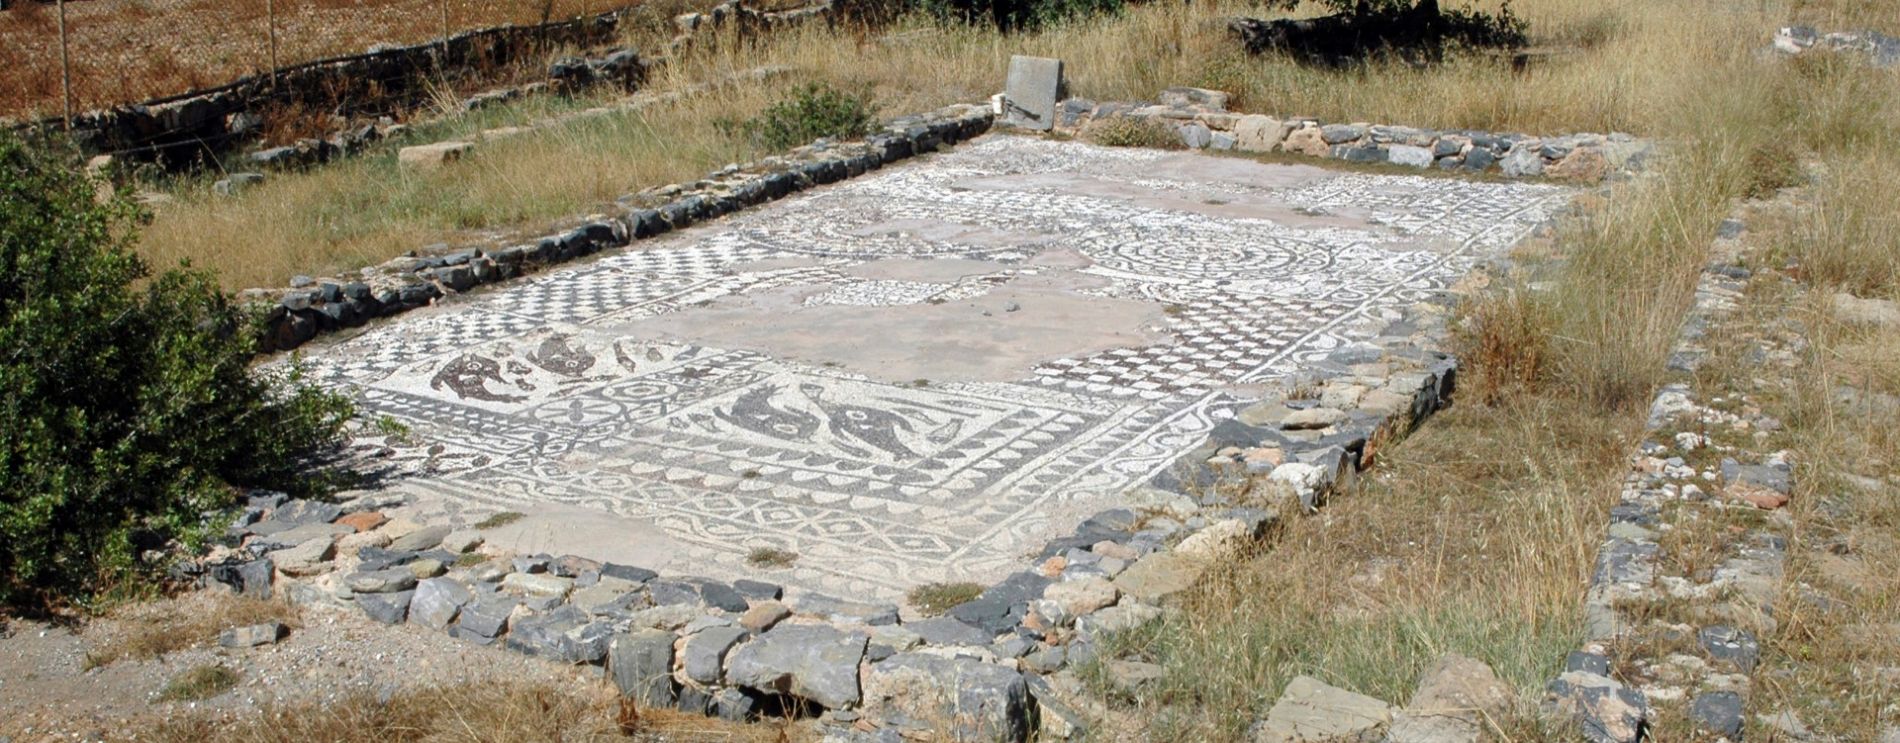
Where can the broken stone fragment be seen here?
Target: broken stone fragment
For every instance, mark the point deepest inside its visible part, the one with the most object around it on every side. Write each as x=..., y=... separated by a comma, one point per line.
x=966, y=698
x=541, y=584
x=437, y=602
x=1455, y=696
x=1605, y=710
x=642, y=666
x=1311, y=710
x=253, y=635
x=705, y=653
x=815, y=663
x=430, y=157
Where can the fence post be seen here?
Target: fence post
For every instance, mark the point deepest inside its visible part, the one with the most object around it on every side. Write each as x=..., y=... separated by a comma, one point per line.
x=65, y=69
x=270, y=17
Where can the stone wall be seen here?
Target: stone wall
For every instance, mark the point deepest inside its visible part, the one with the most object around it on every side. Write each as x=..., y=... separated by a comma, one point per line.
x=1703, y=454
x=310, y=306
x=1879, y=49
x=1201, y=120
x=179, y=128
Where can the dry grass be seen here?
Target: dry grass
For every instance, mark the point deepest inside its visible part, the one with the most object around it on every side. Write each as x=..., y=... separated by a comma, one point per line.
x=365, y=211
x=151, y=630
x=1478, y=535
x=500, y=519
x=199, y=683
x=133, y=50
x=1837, y=644
x=771, y=557
x=1451, y=547
x=485, y=712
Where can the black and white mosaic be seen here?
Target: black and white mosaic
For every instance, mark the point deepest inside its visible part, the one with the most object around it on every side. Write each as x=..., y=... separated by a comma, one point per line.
x=542, y=391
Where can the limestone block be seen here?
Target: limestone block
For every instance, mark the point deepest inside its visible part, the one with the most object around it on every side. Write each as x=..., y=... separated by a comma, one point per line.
x=427, y=157
x=1256, y=133
x=1033, y=90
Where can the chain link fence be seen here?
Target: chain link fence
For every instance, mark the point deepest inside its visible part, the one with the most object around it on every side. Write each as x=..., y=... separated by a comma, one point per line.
x=65, y=57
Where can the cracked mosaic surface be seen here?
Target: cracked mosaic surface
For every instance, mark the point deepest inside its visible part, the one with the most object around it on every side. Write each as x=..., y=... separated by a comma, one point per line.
x=537, y=392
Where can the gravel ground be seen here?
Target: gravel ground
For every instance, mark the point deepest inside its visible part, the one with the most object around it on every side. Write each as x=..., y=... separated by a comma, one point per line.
x=47, y=693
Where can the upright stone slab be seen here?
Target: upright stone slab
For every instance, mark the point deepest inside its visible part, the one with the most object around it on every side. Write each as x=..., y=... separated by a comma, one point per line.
x=1034, y=89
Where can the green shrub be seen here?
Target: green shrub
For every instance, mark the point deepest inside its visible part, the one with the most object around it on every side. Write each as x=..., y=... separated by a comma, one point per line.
x=813, y=111
x=127, y=406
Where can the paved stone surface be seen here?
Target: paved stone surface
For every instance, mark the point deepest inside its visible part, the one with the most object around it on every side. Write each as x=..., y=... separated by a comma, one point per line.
x=912, y=376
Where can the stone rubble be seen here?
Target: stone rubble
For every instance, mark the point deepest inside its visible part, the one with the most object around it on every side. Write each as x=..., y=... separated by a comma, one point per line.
x=1880, y=49
x=1201, y=119
x=1704, y=456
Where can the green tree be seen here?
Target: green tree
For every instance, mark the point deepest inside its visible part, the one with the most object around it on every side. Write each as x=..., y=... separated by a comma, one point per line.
x=128, y=409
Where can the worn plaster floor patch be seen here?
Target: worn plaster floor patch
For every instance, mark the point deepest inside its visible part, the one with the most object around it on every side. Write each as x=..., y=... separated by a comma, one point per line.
x=916, y=375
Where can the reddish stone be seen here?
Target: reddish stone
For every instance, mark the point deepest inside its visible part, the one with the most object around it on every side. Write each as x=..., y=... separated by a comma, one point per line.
x=1757, y=496
x=363, y=520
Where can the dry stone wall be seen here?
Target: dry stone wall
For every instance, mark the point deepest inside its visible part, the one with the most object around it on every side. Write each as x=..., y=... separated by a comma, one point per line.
x=178, y=128
x=1200, y=119
x=294, y=315
x=1703, y=455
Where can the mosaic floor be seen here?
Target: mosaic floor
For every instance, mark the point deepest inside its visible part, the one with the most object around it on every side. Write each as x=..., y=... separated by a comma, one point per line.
x=686, y=383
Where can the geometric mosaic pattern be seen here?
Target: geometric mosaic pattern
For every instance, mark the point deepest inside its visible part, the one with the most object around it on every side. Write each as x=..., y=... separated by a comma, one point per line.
x=536, y=392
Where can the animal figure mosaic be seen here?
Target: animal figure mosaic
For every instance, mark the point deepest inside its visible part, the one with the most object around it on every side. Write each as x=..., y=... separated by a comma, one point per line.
x=541, y=392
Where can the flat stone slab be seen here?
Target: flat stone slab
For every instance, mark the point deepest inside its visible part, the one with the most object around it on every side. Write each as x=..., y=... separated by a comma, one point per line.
x=1033, y=89
x=917, y=375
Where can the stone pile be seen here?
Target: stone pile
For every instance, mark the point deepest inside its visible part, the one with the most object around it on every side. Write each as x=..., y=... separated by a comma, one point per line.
x=733, y=14
x=310, y=306
x=1201, y=119
x=1880, y=49
x=1704, y=455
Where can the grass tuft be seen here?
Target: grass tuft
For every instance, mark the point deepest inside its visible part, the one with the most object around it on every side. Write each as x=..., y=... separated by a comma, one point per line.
x=936, y=598
x=500, y=520
x=145, y=631
x=771, y=557
x=199, y=683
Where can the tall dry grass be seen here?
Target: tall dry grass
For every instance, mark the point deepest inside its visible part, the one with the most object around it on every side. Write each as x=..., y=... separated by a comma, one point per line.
x=1472, y=537
x=123, y=51
x=368, y=209
x=360, y=213
x=1478, y=535
x=471, y=712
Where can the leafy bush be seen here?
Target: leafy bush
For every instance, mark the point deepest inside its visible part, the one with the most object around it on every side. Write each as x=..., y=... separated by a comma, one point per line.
x=127, y=408
x=813, y=111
